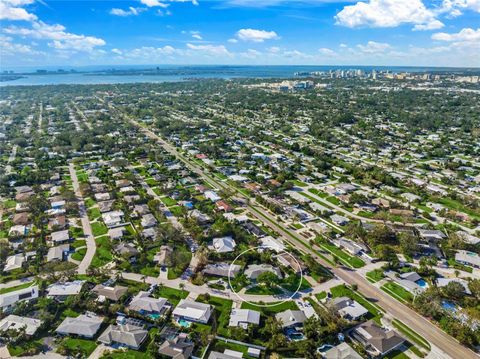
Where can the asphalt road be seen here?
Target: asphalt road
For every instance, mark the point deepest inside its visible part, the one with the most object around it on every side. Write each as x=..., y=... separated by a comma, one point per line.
x=416, y=322
x=87, y=228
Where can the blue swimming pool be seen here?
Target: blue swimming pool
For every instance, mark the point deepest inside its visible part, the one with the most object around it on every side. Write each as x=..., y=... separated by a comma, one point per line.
x=449, y=306
x=184, y=323
x=154, y=316
x=422, y=283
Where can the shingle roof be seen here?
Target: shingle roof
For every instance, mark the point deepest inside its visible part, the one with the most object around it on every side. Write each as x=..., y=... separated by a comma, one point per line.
x=85, y=325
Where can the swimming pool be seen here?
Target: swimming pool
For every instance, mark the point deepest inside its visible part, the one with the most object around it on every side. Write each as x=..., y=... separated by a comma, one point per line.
x=154, y=316
x=449, y=306
x=422, y=283
x=184, y=323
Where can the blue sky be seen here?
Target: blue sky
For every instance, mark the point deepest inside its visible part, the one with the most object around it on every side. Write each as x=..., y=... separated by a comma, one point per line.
x=323, y=32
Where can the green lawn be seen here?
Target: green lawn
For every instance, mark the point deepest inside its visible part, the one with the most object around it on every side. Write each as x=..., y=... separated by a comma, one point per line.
x=79, y=254
x=375, y=275
x=172, y=294
x=223, y=307
x=351, y=261
x=99, y=229
x=26, y=349
x=18, y=287
x=397, y=292
x=177, y=211
x=69, y=313
x=103, y=254
x=320, y=296
x=411, y=335
x=263, y=290
x=318, y=193
x=77, y=345
x=342, y=290
x=272, y=309
x=396, y=354
x=79, y=243
x=94, y=213
x=168, y=201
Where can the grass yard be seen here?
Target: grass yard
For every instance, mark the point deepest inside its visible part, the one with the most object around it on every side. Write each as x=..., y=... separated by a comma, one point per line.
x=177, y=211
x=94, y=213
x=272, y=309
x=18, y=287
x=411, y=335
x=320, y=296
x=375, y=275
x=342, y=290
x=168, y=201
x=79, y=254
x=344, y=257
x=103, y=254
x=318, y=193
x=79, y=243
x=263, y=290
x=99, y=229
x=172, y=294
x=77, y=345
x=397, y=292
x=223, y=307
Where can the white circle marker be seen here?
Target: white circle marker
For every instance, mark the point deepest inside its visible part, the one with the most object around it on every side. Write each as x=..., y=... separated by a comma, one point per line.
x=266, y=305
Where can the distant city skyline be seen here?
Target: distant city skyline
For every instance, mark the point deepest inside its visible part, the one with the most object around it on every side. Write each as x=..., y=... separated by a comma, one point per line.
x=240, y=32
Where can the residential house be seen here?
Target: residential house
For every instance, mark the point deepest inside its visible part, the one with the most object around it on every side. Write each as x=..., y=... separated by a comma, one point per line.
x=60, y=237
x=16, y=322
x=124, y=335
x=61, y=291
x=13, y=262
x=243, y=317
x=222, y=269
x=148, y=220
x=179, y=347
x=162, y=258
x=291, y=318
x=340, y=351
x=378, y=341
x=58, y=253
x=349, y=308
x=468, y=258
x=223, y=244
x=85, y=325
x=192, y=311
x=254, y=270
x=111, y=293
x=144, y=304
x=288, y=260
x=10, y=299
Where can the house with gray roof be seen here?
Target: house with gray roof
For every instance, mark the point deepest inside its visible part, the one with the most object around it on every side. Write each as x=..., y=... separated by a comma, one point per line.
x=349, y=308
x=291, y=318
x=340, y=351
x=143, y=303
x=10, y=299
x=85, y=325
x=254, y=270
x=243, y=317
x=112, y=293
x=222, y=269
x=124, y=335
x=16, y=322
x=180, y=347
x=378, y=341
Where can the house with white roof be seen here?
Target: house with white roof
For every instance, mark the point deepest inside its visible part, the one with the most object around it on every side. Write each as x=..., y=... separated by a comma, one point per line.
x=10, y=299
x=243, y=317
x=468, y=258
x=60, y=291
x=223, y=244
x=85, y=325
x=143, y=303
x=14, y=262
x=192, y=311
x=349, y=308
x=16, y=322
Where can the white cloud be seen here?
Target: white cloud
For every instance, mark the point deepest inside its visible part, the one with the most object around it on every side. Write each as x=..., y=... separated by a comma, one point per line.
x=256, y=35
x=388, y=13
x=327, y=52
x=454, y=7
x=11, y=49
x=131, y=11
x=232, y=41
x=251, y=54
x=274, y=49
x=210, y=50
x=295, y=54
x=117, y=51
x=153, y=3
x=466, y=34
x=196, y=35
x=148, y=53
x=12, y=10
x=61, y=39
x=373, y=47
